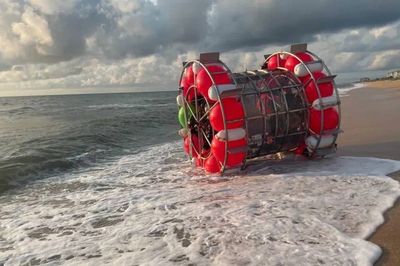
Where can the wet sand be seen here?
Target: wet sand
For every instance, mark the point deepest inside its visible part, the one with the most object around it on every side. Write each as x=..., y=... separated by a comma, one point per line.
x=371, y=124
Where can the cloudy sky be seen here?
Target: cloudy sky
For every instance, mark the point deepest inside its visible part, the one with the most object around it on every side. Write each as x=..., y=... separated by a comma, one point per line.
x=72, y=46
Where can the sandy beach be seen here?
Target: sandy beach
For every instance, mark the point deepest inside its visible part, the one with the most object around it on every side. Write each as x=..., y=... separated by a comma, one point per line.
x=371, y=129
x=384, y=84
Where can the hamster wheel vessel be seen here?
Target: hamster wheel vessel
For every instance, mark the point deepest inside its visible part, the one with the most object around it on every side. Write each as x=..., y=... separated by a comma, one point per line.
x=290, y=104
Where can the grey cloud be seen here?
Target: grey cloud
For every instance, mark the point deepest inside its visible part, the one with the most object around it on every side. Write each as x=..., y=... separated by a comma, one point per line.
x=30, y=35
x=89, y=72
x=120, y=28
x=108, y=28
x=152, y=28
x=70, y=32
x=115, y=41
x=237, y=24
x=385, y=38
x=34, y=72
x=386, y=60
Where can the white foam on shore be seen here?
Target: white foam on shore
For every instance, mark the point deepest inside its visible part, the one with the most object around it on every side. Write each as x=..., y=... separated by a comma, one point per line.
x=121, y=106
x=344, y=91
x=152, y=208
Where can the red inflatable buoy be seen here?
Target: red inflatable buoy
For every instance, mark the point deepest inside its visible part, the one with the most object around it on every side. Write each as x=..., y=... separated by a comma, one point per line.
x=184, y=85
x=275, y=61
x=189, y=75
x=233, y=110
x=186, y=82
x=233, y=159
x=212, y=166
x=292, y=62
x=326, y=88
x=204, y=82
x=195, y=147
x=331, y=120
x=199, y=162
x=300, y=149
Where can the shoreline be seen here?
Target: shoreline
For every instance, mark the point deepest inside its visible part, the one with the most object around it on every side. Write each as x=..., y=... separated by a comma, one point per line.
x=369, y=117
x=383, y=84
x=388, y=231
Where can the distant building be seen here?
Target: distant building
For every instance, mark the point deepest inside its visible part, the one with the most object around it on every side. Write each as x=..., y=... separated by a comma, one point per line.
x=365, y=79
x=394, y=74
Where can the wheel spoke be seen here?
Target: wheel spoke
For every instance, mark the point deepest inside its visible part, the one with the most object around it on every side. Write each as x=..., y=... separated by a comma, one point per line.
x=193, y=114
x=206, y=138
x=196, y=104
x=200, y=126
x=208, y=112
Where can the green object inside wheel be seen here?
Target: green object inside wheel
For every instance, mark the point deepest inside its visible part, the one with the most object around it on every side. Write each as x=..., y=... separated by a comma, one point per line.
x=182, y=117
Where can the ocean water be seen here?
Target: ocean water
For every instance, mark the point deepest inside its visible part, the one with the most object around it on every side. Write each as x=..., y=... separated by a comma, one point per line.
x=102, y=179
x=41, y=136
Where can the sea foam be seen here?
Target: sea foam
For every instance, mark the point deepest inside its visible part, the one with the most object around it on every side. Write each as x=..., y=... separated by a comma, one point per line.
x=344, y=89
x=153, y=208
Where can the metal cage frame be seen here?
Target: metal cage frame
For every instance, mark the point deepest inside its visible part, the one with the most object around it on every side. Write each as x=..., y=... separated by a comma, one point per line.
x=316, y=151
x=208, y=59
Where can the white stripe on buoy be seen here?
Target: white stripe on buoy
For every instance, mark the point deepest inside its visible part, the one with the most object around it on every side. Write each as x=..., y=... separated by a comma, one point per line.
x=196, y=68
x=213, y=90
x=179, y=100
x=233, y=134
x=300, y=70
x=183, y=132
x=325, y=102
x=326, y=141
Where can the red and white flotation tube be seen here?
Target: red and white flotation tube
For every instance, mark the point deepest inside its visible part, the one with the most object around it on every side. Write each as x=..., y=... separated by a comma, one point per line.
x=320, y=92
